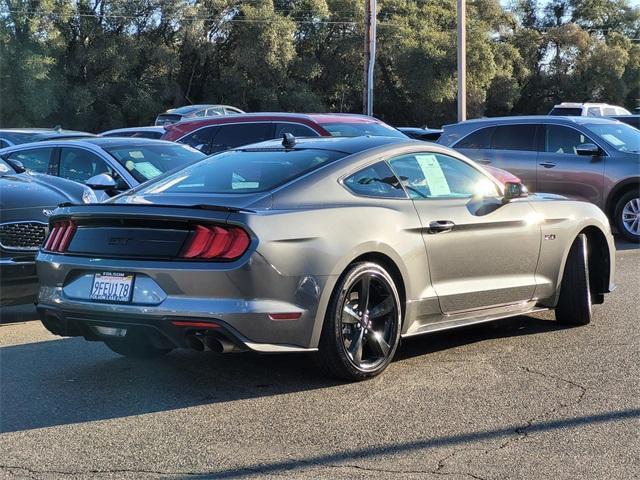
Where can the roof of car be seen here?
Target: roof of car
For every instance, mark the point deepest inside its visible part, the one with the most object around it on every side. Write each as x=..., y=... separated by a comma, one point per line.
x=102, y=142
x=581, y=104
x=51, y=131
x=320, y=118
x=153, y=128
x=192, y=108
x=341, y=144
x=536, y=119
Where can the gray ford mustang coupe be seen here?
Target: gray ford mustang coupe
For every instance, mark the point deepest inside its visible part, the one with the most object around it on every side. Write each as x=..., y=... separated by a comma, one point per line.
x=337, y=246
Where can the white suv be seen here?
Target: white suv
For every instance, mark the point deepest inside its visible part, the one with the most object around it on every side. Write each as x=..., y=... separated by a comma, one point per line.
x=588, y=110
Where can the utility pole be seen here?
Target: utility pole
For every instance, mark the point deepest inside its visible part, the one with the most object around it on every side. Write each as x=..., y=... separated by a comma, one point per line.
x=369, y=55
x=462, y=60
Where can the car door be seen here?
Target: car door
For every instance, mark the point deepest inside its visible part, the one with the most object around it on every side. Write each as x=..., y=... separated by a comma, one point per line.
x=509, y=147
x=34, y=159
x=561, y=170
x=482, y=253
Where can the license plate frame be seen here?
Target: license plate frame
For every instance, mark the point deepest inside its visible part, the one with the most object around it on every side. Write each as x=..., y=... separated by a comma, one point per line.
x=112, y=287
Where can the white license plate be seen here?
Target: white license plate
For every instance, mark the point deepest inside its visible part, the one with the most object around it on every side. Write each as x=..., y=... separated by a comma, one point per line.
x=112, y=287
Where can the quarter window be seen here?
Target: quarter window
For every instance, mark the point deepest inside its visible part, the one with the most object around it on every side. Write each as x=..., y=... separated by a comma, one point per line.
x=375, y=181
x=563, y=140
x=513, y=137
x=36, y=159
x=593, y=112
x=433, y=175
x=479, y=139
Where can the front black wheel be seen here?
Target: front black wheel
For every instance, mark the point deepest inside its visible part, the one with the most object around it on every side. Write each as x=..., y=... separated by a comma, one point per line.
x=574, y=304
x=361, y=331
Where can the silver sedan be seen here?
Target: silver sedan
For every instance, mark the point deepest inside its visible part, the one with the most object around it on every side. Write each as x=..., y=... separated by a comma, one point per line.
x=335, y=246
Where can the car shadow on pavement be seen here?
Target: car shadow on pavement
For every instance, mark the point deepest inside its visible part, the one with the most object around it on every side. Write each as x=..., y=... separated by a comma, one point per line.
x=18, y=313
x=447, y=339
x=69, y=380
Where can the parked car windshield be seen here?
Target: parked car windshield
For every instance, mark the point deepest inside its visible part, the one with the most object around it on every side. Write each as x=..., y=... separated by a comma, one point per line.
x=145, y=162
x=566, y=112
x=620, y=136
x=361, y=129
x=243, y=171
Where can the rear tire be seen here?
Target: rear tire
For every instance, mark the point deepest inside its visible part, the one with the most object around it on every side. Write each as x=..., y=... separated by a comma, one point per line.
x=361, y=330
x=626, y=219
x=574, y=304
x=135, y=348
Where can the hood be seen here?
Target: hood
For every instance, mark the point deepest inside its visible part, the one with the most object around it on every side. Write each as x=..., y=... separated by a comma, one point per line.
x=547, y=196
x=30, y=191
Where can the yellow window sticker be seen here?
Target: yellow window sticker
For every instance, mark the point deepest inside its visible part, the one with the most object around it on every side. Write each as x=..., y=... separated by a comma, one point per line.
x=432, y=171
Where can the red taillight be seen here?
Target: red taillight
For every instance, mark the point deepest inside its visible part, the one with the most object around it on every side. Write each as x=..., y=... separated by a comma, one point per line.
x=216, y=242
x=60, y=236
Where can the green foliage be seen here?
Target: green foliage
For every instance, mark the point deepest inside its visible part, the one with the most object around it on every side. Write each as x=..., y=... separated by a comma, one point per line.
x=97, y=64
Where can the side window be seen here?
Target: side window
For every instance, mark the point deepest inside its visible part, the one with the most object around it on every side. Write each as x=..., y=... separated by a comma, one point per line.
x=3, y=143
x=36, y=159
x=200, y=139
x=294, y=128
x=478, y=139
x=231, y=111
x=433, y=175
x=80, y=165
x=236, y=135
x=609, y=110
x=514, y=137
x=214, y=111
x=375, y=181
x=563, y=140
x=593, y=112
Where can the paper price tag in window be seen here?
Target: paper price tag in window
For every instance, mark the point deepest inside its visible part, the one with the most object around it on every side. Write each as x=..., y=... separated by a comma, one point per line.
x=148, y=169
x=432, y=171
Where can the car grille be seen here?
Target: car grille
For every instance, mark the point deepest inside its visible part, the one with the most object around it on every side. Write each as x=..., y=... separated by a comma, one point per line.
x=22, y=235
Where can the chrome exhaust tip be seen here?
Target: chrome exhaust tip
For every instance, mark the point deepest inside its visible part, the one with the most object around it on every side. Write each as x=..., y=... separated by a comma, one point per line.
x=194, y=343
x=219, y=344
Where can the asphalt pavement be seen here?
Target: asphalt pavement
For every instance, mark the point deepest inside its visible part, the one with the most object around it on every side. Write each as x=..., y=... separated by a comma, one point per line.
x=516, y=399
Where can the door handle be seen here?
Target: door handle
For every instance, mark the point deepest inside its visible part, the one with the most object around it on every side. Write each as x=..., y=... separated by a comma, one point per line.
x=548, y=164
x=441, y=226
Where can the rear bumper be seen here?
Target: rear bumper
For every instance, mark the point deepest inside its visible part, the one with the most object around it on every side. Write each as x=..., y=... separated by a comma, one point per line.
x=241, y=299
x=18, y=281
x=166, y=331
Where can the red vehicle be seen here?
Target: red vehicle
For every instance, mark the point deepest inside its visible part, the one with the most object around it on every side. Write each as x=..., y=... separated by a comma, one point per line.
x=220, y=133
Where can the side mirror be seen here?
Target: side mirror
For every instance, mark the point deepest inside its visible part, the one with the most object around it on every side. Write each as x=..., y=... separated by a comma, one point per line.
x=514, y=190
x=103, y=181
x=16, y=164
x=588, y=150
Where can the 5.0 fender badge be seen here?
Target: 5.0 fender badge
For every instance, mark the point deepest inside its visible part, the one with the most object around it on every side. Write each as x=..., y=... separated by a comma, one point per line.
x=549, y=236
x=47, y=212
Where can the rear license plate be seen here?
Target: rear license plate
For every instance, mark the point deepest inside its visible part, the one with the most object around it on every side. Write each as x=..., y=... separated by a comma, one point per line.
x=112, y=287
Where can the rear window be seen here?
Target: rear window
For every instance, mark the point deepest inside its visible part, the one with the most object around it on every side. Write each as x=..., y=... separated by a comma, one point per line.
x=566, y=112
x=361, y=129
x=145, y=162
x=244, y=171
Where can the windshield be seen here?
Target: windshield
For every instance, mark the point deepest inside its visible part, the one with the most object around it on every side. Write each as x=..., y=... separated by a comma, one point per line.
x=145, y=162
x=620, y=136
x=361, y=129
x=22, y=137
x=5, y=168
x=566, y=112
x=243, y=171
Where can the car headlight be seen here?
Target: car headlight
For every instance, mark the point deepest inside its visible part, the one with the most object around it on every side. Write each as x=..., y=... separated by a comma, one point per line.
x=88, y=196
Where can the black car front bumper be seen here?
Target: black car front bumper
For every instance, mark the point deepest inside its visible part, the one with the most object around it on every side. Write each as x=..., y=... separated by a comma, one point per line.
x=18, y=280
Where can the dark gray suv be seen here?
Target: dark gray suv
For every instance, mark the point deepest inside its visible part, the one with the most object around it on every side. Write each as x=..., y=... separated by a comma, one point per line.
x=593, y=159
